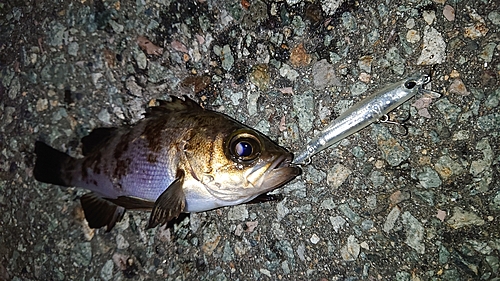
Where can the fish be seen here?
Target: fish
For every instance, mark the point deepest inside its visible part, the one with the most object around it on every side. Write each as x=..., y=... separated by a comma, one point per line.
x=365, y=112
x=179, y=158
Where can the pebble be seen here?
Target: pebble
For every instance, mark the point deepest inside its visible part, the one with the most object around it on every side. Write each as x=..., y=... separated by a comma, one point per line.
x=118, y=28
x=121, y=242
x=349, y=22
x=289, y=73
x=299, y=56
x=487, y=53
x=225, y=56
x=414, y=232
x=337, y=175
x=391, y=219
x=429, y=178
x=449, y=12
x=392, y=151
x=211, y=238
x=324, y=75
x=314, y=239
x=358, y=88
x=282, y=210
x=429, y=16
x=260, y=77
x=475, y=31
x=449, y=111
x=350, y=251
x=396, y=61
x=349, y=213
x=463, y=218
x=328, y=204
x=434, y=47
x=331, y=6
x=14, y=89
x=337, y=222
x=237, y=213
x=446, y=167
x=304, y=110
x=41, y=105
x=412, y=36
x=458, y=87
x=377, y=178
x=82, y=253
x=107, y=270
x=494, y=17
x=490, y=122
x=73, y=49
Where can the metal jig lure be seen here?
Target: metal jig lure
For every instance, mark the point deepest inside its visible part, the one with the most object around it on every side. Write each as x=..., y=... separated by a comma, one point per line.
x=364, y=113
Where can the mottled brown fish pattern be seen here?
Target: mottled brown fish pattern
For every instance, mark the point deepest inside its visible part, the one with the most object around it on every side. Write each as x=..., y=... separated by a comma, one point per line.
x=179, y=158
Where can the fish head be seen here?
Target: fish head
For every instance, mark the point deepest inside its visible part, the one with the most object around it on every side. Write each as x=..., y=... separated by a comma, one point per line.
x=239, y=164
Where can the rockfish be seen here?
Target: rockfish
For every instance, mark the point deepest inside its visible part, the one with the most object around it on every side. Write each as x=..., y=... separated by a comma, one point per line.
x=179, y=158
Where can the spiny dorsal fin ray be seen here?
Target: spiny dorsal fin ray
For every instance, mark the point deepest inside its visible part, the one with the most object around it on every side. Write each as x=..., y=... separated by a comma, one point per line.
x=174, y=105
x=170, y=203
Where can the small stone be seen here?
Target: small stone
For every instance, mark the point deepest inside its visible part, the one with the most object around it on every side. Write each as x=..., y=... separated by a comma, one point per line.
x=449, y=12
x=107, y=270
x=446, y=167
x=450, y=111
x=331, y=6
x=358, y=88
x=429, y=16
x=225, y=55
x=487, y=53
x=462, y=218
x=398, y=197
x=434, y=47
x=412, y=36
x=494, y=17
x=390, y=221
x=392, y=151
x=476, y=31
x=287, y=72
x=42, y=104
x=490, y=122
x=324, y=75
x=259, y=76
x=349, y=22
x=73, y=49
x=238, y=213
x=365, y=63
x=117, y=28
x=328, y=204
x=350, y=251
x=314, y=239
x=337, y=175
x=121, y=242
x=337, y=222
x=211, y=239
x=349, y=213
x=299, y=56
x=414, y=232
x=441, y=215
x=304, y=110
x=429, y=178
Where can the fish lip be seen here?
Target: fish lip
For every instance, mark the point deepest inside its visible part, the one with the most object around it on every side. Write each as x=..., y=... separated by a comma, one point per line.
x=279, y=172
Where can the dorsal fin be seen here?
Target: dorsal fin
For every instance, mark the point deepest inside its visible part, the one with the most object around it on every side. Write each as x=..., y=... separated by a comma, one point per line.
x=97, y=137
x=174, y=105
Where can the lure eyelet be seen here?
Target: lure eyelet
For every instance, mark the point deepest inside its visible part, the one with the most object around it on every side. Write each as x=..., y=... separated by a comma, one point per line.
x=410, y=84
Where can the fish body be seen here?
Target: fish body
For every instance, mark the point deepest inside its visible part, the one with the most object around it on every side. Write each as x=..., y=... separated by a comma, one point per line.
x=364, y=113
x=179, y=158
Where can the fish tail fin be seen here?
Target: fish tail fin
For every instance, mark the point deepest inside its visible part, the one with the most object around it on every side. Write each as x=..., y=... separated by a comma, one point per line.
x=49, y=164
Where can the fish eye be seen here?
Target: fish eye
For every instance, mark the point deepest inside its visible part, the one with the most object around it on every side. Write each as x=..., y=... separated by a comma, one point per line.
x=244, y=148
x=410, y=84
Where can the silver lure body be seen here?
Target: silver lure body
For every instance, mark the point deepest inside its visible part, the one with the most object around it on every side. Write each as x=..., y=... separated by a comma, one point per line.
x=364, y=113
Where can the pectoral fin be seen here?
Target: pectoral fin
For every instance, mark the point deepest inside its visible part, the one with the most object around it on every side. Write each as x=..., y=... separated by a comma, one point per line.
x=170, y=203
x=100, y=212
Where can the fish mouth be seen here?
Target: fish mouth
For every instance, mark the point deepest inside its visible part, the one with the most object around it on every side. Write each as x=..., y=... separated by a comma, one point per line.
x=271, y=175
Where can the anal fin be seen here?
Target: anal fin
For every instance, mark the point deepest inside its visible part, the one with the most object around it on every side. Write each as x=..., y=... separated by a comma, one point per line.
x=170, y=203
x=100, y=212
